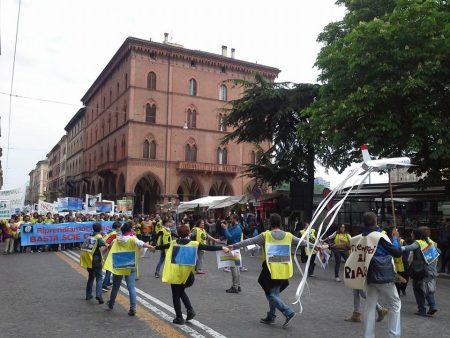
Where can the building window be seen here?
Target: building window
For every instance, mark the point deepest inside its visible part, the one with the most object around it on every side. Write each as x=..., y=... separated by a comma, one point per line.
x=110, y=96
x=109, y=123
x=223, y=93
x=115, y=150
x=117, y=119
x=152, y=150
x=221, y=125
x=150, y=113
x=123, y=147
x=221, y=156
x=151, y=80
x=146, y=152
x=126, y=81
x=192, y=87
x=193, y=64
x=253, y=157
x=104, y=102
x=107, y=153
x=191, y=118
x=190, y=153
x=117, y=89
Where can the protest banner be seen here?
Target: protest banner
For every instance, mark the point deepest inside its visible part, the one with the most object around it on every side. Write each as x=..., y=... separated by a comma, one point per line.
x=44, y=207
x=89, y=205
x=124, y=206
x=106, y=207
x=70, y=232
x=16, y=198
x=5, y=210
x=228, y=260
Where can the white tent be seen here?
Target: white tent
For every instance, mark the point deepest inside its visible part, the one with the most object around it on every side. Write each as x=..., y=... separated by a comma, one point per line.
x=211, y=202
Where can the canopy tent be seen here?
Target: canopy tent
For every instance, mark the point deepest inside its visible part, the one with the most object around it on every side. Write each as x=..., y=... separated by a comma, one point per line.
x=211, y=202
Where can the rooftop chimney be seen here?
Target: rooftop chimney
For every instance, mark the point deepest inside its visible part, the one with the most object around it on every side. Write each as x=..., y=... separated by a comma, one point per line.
x=166, y=37
x=224, y=50
x=232, y=52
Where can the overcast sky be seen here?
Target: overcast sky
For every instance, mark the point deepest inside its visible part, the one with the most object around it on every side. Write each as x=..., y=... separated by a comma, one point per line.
x=64, y=45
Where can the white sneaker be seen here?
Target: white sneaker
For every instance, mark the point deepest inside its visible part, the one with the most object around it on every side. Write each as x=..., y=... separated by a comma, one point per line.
x=338, y=279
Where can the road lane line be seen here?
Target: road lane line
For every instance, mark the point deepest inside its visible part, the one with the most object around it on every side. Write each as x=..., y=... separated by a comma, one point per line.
x=170, y=309
x=161, y=327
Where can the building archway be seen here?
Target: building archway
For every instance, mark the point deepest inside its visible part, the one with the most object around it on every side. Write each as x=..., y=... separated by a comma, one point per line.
x=220, y=188
x=188, y=190
x=147, y=194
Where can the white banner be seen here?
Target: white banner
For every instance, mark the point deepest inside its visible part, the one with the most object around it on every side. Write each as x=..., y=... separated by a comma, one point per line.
x=89, y=205
x=45, y=207
x=228, y=260
x=16, y=198
x=5, y=210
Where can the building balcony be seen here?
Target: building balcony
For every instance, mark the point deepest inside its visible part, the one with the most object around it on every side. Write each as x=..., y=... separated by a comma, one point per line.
x=209, y=168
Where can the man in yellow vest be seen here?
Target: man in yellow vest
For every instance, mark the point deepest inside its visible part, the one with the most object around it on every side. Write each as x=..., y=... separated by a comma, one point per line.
x=123, y=261
x=200, y=235
x=277, y=266
x=91, y=259
x=179, y=267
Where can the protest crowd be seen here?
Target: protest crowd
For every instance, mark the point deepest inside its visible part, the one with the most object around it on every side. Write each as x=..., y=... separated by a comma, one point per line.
x=395, y=261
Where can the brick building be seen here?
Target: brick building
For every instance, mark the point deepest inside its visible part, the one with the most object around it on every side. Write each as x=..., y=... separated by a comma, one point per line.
x=153, y=125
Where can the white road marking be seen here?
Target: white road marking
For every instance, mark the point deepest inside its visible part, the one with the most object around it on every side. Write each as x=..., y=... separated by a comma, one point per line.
x=157, y=311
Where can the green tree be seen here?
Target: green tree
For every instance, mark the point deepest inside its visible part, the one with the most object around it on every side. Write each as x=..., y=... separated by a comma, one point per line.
x=271, y=112
x=385, y=70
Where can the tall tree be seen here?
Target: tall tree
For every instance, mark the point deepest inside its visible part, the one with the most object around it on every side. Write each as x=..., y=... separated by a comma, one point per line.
x=271, y=112
x=385, y=70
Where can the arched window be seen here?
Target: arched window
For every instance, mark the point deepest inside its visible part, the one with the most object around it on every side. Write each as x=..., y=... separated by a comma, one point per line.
x=110, y=96
x=104, y=102
x=151, y=80
x=190, y=153
x=146, y=150
x=123, y=147
x=192, y=87
x=221, y=156
x=252, y=157
x=117, y=89
x=221, y=125
x=153, y=150
x=117, y=118
x=126, y=81
x=150, y=113
x=191, y=118
x=223, y=93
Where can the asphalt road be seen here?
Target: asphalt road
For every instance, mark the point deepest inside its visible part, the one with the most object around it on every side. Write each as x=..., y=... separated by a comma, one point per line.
x=42, y=295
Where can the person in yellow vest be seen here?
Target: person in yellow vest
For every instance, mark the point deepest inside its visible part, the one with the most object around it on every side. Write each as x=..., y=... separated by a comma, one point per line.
x=340, y=237
x=164, y=236
x=109, y=238
x=179, y=267
x=123, y=261
x=277, y=266
x=200, y=235
x=91, y=259
x=311, y=238
x=423, y=270
x=401, y=280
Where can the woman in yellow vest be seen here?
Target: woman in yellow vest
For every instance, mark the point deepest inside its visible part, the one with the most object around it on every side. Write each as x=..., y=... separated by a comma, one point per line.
x=277, y=266
x=423, y=270
x=91, y=259
x=122, y=261
x=311, y=238
x=179, y=267
x=163, y=236
x=401, y=281
x=200, y=235
x=340, y=237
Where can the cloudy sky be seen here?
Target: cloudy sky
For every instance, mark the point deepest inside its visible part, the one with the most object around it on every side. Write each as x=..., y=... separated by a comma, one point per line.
x=62, y=47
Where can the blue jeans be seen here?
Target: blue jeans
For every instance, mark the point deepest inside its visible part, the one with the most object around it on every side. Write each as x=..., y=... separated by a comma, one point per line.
x=94, y=273
x=130, y=280
x=162, y=258
x=419, y=294
x=430, y=299
x=275, y=302
x=107, y=279
x=337, y=263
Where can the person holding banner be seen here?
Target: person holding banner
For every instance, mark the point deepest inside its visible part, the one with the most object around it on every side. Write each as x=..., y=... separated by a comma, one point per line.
x=179, y=267
x=423, y=270
x=122, y=261
x=109, y=238
x=91, y=259
x=277, y=266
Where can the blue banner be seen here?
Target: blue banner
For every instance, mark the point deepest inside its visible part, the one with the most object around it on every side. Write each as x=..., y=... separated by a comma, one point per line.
x=62, y=233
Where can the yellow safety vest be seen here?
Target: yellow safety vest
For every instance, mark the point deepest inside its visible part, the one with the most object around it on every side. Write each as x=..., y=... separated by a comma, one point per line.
x=158, y=227
x=109, y=234
x=280, y=269
x=128, y=246
x=342, y=238
x=86, y=255
x=176, y=273
x=166, y=237
x=311, y=238
x=200, y=235
x=398, y=262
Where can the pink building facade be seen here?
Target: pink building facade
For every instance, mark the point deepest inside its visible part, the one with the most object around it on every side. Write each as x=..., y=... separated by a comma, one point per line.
x=153, y=125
